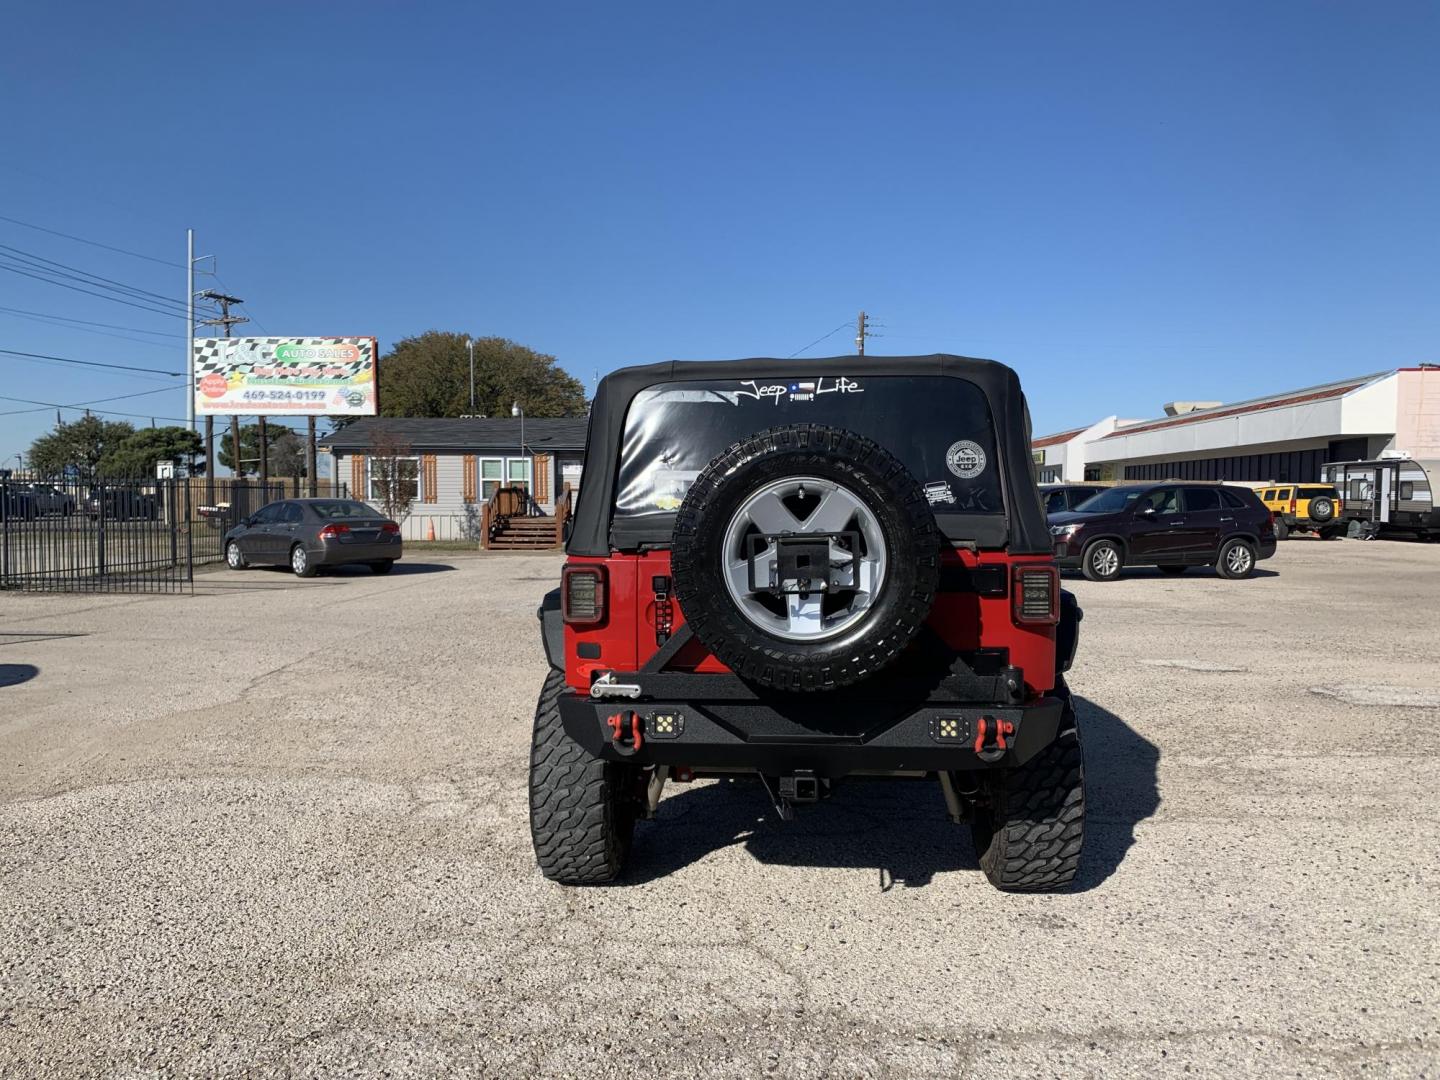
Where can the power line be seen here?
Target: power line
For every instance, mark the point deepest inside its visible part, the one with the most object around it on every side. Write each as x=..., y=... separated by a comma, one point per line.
x=52, y=322
x=92, y=243
x=79, y=404
x=85, y=277
x=91, y=292
x=817, y=341
x=90, y=363
x=259, y=325
x=87, y=322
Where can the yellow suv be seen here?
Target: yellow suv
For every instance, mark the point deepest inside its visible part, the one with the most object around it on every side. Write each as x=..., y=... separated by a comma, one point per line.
x=1312, y=508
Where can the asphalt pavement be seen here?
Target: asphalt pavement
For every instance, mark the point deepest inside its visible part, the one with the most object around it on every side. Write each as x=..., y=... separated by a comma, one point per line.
x=280, y=828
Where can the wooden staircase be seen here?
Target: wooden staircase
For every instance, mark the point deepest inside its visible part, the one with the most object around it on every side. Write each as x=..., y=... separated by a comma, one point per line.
x=525, y=534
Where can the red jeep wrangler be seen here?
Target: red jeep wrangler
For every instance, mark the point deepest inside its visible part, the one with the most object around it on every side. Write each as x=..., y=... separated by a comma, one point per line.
x=810, y=570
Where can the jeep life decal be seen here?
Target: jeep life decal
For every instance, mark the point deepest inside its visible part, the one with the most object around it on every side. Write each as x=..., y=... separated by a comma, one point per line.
x=800, y=390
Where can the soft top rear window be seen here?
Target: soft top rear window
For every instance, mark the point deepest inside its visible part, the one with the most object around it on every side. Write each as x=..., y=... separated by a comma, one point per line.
x=939, y=426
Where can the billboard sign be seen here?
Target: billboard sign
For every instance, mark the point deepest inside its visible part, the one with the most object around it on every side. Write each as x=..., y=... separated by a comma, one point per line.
x=276, y=376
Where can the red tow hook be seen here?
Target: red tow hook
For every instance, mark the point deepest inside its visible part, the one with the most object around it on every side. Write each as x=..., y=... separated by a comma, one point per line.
x=618, y=733
x=991, y=737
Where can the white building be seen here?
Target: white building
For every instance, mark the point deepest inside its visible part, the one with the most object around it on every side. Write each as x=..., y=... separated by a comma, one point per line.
x=1280, y=437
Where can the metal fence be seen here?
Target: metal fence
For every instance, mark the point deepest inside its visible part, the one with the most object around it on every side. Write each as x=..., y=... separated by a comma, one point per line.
x=123, y=535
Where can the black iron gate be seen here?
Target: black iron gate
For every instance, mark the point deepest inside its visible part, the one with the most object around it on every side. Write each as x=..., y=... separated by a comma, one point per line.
x=119, y=535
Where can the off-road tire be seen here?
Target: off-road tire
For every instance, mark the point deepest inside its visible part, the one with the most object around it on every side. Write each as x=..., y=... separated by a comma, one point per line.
x=1282, y=530
x=1222, y=563
x=582, y=812
x=877, y=479
x=1322, y=509
x=1332, y=532
x=1093, y=572
x=1030, y=833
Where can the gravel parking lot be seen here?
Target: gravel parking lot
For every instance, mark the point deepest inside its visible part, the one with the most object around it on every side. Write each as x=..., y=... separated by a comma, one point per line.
x=280, y=827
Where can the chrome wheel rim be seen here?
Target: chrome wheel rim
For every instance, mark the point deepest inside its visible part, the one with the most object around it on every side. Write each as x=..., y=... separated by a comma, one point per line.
x=804, y=506
x=232, y=555
x=1106, y=561
x=1238, y=559
x=298, y=560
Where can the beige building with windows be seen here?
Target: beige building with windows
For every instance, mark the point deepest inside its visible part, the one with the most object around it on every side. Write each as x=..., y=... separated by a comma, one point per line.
x=456, y=465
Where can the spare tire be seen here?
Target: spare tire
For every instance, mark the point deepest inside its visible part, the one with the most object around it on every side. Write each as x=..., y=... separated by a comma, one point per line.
x=805, y=558
x=1322, y=509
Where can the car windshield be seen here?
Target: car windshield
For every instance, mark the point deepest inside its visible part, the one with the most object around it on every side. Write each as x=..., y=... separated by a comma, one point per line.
x=339, y=509
x=1108, y=502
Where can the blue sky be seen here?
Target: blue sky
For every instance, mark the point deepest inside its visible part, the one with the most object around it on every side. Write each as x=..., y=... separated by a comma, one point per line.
x=1127, y=202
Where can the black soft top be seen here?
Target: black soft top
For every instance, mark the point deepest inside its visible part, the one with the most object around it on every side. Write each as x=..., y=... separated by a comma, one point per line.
x=1022, y=528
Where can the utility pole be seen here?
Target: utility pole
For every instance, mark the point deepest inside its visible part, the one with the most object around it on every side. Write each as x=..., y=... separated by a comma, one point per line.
x=190, y=329
x=861, y=333
x=225, y=322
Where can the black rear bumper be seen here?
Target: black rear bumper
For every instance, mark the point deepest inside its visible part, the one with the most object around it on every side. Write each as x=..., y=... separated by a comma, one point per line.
x=830, y=738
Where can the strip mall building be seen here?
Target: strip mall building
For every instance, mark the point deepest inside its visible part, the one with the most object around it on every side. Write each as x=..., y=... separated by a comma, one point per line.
x=1281, y=437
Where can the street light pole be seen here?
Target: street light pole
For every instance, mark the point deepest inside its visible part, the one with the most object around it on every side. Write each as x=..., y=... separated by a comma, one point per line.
x=469, y=344
x=516, y=410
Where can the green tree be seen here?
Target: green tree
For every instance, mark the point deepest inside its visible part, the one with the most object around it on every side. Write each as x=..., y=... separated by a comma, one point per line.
x=83, y=444
x=137, y=454
x=250, y=449
x=429, y=375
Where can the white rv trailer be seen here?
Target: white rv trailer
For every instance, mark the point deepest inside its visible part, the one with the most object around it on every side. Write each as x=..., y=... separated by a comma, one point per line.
x=1397, y=494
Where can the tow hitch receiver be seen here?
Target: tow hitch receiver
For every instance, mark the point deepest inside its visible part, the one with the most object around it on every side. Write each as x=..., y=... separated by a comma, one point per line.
x=801, y=786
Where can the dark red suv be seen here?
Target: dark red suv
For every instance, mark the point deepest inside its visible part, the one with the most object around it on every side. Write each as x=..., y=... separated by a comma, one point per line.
x=1172, y=525
x=808, y=571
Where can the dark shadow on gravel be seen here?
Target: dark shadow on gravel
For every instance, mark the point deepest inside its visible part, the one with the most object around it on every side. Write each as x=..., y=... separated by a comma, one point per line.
x=1192, y=573
x=898, y=828
x=15, y=674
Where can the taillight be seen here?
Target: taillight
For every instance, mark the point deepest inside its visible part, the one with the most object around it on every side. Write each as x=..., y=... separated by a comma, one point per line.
x=1035, y=595
x=390, y=528
x=1292, y=504
x=330, y=532
x=582, y=595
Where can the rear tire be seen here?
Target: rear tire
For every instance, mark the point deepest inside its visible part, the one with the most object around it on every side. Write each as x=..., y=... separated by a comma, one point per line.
x=384, y=566
x=1237, y=559
x=1322, y=510
x=1103, y=561
x=1282, y=530
x=1030, y=835
x=582, y=810
x=301, y=563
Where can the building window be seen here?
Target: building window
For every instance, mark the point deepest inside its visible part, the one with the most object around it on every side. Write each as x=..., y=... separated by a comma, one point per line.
x=492, y=475
x=394, y=481
x=496, y=472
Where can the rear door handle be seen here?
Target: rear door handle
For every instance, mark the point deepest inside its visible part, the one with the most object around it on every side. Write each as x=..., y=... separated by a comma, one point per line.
x=1227, y=519
x=1172, y=524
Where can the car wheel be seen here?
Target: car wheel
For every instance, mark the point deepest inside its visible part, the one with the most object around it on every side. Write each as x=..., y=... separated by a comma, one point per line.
x=582, y=809
x=234, y=557
x=1322, y=509
x=300, y=561
x=1332, y=532
x=1237, y=559
x=1103, y=561
x=1282, y=531
x=1030, y=829
x=384, y=566
x=1174, y=570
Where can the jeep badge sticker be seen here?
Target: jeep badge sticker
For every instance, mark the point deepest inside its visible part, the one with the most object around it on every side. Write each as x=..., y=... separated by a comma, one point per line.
x=939, y=492
x=965, y=459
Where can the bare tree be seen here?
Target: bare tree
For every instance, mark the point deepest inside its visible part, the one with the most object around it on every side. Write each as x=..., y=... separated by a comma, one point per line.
x=394, y=473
